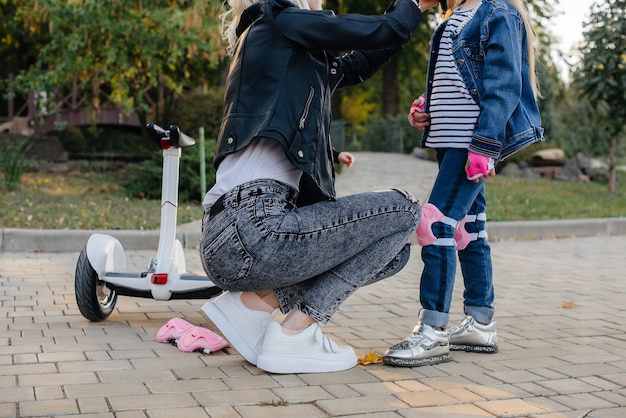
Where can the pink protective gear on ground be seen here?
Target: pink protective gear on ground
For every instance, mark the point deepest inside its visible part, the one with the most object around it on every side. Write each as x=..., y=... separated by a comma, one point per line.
x=480, y=165
x=173, y=330
x=189, y=337
x=202, y=339
x=430, y=215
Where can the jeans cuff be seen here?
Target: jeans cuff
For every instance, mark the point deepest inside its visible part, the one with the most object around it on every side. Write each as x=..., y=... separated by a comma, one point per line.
x=434, y=318
x=482, y=314
x=313, y=313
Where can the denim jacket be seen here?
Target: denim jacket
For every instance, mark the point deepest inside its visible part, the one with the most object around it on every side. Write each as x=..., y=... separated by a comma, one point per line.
x=282, y=76
x=490, y=53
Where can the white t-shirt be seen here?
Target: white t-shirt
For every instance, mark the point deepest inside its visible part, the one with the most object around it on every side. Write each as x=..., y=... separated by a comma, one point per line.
x=262, y=159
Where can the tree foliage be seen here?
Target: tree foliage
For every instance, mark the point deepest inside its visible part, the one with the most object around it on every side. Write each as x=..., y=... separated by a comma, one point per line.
x=128, y=47
x=121, y=47
x=601, y=76
x=19, y=43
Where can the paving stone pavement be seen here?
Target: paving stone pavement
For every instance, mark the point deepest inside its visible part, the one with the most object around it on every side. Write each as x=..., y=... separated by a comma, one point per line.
x=561, y=325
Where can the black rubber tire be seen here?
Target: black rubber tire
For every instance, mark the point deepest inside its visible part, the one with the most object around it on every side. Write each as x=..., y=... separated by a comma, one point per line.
x=95, y=301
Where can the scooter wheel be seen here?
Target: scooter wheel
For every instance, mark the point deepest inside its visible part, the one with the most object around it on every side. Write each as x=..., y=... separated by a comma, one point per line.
x=94, y=299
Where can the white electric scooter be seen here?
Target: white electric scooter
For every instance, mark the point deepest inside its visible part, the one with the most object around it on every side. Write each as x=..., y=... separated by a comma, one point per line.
x=101, y=273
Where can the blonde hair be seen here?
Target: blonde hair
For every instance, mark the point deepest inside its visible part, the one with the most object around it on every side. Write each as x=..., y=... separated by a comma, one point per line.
x=530, y=35
x=231, y=17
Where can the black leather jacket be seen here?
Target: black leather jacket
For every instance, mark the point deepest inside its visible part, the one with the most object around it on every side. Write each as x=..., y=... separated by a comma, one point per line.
x=282, y=76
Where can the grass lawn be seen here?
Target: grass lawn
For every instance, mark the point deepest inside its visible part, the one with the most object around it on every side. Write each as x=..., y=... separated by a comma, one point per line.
x=84, y=200
x=89, y=200
x=515, y=199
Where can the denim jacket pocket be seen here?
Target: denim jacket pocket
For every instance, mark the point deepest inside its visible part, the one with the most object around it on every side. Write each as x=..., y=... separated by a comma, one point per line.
x=226, y=259
x=475, y=57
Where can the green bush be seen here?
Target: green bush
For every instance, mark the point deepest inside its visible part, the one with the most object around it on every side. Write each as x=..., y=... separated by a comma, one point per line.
x=192, y=111
x=197, y=109
x=146, y=177
x=14, y=160
x=98, y=140
x=389, y=134
x=72, y=139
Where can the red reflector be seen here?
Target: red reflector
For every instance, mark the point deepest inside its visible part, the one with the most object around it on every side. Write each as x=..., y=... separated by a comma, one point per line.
x=160, y=278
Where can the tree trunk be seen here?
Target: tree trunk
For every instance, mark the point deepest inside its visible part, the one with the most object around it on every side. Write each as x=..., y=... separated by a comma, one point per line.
x=390, y=88
x=612, y=166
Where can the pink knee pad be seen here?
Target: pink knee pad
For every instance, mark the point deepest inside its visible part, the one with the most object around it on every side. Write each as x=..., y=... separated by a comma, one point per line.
x=430, y=215
x=461, y=236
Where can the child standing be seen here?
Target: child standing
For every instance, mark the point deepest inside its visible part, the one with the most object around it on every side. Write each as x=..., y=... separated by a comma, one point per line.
x=480, y=107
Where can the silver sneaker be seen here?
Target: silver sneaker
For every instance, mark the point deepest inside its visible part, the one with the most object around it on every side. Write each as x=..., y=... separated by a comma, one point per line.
x=474, y=337
x=425, y=345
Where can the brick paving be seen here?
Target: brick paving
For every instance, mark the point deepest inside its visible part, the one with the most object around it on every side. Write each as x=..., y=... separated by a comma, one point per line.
x=561, y=325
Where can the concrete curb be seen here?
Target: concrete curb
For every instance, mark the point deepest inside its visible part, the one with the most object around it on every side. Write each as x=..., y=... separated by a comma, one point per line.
x=568, y=228
x=50, y=240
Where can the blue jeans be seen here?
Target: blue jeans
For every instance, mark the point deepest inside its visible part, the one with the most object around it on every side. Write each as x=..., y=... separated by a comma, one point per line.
x=312, y=257
x=456, y=197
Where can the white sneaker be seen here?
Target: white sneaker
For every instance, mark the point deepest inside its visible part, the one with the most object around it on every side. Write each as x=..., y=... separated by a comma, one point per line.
x=309, y=351
x=243, y=327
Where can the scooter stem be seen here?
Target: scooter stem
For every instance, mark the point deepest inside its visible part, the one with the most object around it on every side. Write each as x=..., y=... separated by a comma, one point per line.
x=169, y=208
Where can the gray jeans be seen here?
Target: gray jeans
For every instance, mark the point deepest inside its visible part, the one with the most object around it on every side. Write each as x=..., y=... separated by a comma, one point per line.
x=312, y=257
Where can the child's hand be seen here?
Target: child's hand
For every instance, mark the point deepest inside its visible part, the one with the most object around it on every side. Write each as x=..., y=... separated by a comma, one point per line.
x=419, y=104
x=346, y=159
x=417, y=117
x=479, y=167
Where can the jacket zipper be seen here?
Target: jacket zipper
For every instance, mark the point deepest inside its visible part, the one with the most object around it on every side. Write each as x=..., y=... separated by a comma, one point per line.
x=307, y=106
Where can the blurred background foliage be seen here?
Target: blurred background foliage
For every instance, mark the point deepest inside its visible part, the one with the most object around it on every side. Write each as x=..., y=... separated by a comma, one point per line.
x=165, y=62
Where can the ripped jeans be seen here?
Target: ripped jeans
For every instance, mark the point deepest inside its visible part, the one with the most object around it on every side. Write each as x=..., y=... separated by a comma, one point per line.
x=312, y=257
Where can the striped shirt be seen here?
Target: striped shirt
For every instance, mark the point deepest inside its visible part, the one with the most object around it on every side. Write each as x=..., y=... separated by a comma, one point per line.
x=453, y=111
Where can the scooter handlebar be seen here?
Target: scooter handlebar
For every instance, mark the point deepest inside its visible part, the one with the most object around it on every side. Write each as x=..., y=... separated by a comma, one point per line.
x=172, y=137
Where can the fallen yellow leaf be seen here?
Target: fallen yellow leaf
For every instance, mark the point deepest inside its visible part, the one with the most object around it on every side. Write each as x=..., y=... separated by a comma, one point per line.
x=370, y=358
x=569, y=305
